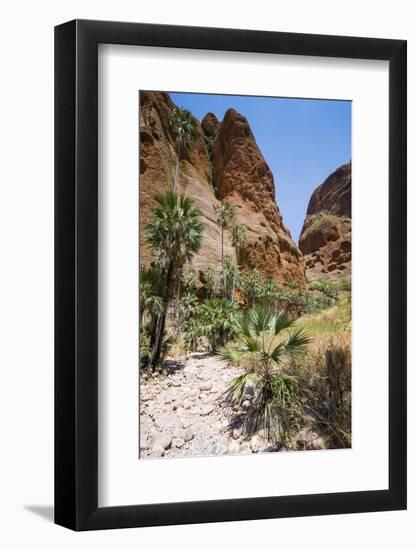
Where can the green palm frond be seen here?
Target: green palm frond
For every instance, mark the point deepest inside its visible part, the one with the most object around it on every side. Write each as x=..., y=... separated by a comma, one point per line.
x=277, y=353
x=284, y=320
x=263, y=339
x=238, y=235
x=250, y=344
x=296, y=341
x=236, y=389
x=224, y=212
x=174, y=229
x=228, y=354
x=184, y=126
x=260, y=319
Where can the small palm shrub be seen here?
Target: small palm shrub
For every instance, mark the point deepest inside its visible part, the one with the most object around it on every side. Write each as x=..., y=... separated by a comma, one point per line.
x=212, y=283
x=264, y=338
x=193, y=335
x=190, y=281
x=216, y=318
x=187, y=307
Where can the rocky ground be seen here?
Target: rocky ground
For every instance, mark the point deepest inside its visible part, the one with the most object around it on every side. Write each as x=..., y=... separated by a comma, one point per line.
x=181, y=412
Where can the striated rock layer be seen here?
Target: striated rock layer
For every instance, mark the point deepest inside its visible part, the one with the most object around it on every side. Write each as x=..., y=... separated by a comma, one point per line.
x=157, y=171
x=325, y=238
x=224, y=163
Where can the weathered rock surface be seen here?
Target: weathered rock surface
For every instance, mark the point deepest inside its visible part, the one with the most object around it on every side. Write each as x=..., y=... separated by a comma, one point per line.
x=325, y=238
x=244, y=179
x=210, y=125
x=157, y=171
x=224, y=162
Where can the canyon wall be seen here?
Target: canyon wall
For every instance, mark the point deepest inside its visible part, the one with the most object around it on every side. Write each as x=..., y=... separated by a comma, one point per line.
x=326, y=238
x=224, y=163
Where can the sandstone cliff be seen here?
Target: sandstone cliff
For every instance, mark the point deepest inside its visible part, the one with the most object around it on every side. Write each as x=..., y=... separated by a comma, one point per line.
x=243, y=178
x=223, y=163
x=325, y=238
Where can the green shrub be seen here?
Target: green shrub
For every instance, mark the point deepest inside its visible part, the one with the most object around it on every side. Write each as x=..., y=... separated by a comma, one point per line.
x=313, y=302
x=216, y=318
x=326, y=287
x=212, y=283
x=264, y=338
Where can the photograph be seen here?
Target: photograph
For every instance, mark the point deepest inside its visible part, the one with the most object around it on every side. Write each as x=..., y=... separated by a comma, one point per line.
x=206, y=330
x=244, y=274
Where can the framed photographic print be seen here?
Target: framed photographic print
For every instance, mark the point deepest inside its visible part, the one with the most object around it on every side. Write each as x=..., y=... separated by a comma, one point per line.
x=230, y=252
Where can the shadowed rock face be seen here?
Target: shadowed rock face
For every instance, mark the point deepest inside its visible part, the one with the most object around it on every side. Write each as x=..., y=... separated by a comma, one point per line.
x=325, y=238
x=224, y=163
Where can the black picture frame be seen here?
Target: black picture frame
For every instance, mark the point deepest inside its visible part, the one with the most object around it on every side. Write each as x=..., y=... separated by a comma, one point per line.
x=76, y=272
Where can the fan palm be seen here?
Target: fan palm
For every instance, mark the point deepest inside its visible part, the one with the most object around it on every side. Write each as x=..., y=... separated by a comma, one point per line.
x=224, y=214
x=150, y=285
x=264, y=338
x=216, y=318
x=184, y=126
x=174, y=233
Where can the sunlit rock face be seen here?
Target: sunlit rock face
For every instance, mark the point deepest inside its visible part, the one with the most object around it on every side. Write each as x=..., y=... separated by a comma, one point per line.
x=224, y=163
x=326, y=237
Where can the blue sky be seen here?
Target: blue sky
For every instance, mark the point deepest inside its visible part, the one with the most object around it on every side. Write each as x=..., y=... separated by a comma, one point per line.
x=302, y=140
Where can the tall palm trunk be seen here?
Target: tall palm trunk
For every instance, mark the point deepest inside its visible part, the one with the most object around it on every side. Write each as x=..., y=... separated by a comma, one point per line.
x=223, y=271
x=177, y=169
x=142, y=311
x=233, y=286
x=156, y=355
x=160, y=326
x=177, y=305
x=234, y=274
x=153, y=324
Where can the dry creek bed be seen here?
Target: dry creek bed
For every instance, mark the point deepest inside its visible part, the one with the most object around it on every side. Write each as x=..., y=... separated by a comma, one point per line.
x=181, y=413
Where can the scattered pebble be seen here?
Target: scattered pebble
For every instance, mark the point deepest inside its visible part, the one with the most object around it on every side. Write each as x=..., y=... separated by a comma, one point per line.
x=207, y=409
x=182, y=414
x=234, y=447
x=255, y=444
x=162, y=442
x=179, y=442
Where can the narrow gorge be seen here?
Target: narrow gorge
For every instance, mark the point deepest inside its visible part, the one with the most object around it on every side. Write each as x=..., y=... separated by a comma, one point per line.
x=223, y=163
x=244, y=337
x=325, y=239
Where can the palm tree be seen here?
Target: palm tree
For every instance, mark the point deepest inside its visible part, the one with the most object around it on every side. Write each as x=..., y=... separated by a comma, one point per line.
x=224, y=213
x=185, y=128
x=230, y=276
x=174, y=233
x=238, y=241
x=150, y=285
x=264, y=338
